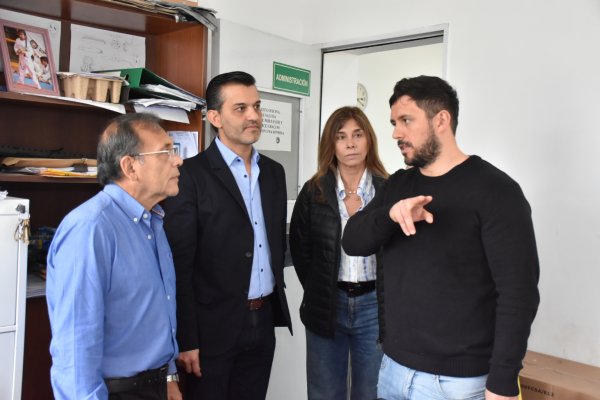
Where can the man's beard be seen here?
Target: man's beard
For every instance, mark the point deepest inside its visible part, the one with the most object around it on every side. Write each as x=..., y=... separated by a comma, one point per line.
x=426, y=154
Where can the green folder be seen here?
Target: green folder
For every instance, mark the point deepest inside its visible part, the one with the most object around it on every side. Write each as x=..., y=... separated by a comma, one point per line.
x=141, y=76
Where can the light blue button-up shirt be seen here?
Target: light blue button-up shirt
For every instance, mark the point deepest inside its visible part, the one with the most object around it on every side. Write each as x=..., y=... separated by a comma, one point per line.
x=111, y=295
x=262, y=280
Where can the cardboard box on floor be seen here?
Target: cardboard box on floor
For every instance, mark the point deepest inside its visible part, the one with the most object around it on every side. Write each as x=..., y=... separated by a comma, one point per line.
x=545, y=377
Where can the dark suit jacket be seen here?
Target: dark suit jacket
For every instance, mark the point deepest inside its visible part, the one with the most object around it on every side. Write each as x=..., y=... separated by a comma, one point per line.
x=212, y=241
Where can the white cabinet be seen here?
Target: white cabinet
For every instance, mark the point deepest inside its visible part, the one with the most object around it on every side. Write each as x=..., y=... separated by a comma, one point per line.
x=13, y=287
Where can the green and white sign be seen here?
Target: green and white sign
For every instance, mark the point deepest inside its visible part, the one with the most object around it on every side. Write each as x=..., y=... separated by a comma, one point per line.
x=291, y=79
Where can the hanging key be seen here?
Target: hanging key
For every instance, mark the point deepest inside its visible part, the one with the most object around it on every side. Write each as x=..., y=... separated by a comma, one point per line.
x=23, y=232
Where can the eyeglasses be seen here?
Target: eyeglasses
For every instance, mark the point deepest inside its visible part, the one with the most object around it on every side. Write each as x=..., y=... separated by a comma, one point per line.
x=174, y=151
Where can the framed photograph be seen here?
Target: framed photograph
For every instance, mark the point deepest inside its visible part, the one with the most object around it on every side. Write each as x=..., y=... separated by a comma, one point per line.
x=27, y=59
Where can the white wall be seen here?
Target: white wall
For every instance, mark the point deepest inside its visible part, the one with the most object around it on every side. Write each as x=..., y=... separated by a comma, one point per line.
x=527, y=76
x=252, y=51
x=340, y=75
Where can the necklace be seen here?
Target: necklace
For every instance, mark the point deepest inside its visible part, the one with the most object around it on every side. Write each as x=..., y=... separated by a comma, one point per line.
x=352, y=191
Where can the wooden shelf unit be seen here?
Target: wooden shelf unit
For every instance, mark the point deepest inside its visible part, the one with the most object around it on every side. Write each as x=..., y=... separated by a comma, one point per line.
x=175, y=50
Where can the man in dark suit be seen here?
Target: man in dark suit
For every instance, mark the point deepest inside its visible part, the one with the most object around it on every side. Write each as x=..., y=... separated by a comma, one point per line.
x=226, y=229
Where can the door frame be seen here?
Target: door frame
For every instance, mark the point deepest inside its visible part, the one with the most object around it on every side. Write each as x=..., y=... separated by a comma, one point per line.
x=425, y=35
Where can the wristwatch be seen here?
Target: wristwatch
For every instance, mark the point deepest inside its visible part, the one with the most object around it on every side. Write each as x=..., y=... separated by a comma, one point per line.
x=173, y=378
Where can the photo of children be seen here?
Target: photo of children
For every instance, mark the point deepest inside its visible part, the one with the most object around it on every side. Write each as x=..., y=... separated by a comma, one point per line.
x=42, y=70
x=24, y=51
x=27, y=62
x=38, y=52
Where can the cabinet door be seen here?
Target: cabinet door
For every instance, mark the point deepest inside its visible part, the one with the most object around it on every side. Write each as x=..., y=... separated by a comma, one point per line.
x=8, y=267
x=7, y=364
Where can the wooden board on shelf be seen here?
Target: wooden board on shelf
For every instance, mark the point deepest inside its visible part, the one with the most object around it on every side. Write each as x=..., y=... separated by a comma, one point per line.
x=4, y=177
x=46, y=101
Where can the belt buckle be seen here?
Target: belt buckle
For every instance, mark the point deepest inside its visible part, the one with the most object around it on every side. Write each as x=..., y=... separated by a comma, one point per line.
x=355, y=289
x=258, y=303
x=255, y=304
x=352, y=290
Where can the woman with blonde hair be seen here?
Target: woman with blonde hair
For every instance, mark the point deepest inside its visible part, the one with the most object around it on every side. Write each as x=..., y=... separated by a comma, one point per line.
x=339, y=307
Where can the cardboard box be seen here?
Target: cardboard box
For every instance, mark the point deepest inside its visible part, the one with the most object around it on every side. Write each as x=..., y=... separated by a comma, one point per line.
x=87, y=87
x=545, y=377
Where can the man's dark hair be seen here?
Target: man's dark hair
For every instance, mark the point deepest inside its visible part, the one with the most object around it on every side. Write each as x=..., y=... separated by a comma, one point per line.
x=431, y=94
x=214, y=98
x=214, y=101
x=120, y=138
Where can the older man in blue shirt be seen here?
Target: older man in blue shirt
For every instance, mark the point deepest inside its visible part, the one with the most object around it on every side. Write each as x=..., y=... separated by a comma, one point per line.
x=111, y=281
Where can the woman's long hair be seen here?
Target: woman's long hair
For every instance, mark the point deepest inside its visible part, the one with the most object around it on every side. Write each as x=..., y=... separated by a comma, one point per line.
x=327, y=160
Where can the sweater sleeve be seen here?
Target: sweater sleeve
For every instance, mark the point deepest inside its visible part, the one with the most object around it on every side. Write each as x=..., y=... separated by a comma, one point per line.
x=510, y=247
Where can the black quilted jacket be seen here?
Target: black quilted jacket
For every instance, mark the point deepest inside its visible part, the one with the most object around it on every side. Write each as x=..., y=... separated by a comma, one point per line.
x=315, y=246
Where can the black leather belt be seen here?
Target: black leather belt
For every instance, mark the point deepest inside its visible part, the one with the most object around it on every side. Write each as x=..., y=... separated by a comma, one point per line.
x=258, y=303
x=143, y=379
x=354, y=289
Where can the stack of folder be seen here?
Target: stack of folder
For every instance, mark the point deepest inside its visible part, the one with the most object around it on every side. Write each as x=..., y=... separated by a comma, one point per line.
x=144, y=83
x=152, y=93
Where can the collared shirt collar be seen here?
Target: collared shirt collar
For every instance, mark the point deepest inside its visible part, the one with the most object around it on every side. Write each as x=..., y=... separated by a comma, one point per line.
x=129, y=204
x=363, y=188
x=229, y=156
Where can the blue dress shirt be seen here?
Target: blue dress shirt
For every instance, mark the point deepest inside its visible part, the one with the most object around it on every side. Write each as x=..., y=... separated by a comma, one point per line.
x=262, y=280
x=111, y=295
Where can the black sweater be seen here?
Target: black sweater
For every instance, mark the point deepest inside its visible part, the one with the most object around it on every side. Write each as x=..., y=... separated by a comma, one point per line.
x=458, y=298
x=315, y=236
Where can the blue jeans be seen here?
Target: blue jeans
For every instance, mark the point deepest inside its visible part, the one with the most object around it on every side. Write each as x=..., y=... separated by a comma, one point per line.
x=356, y=336
x=397, y=382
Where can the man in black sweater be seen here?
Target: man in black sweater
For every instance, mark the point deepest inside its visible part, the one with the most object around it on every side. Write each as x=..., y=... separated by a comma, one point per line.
x=458, y=283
